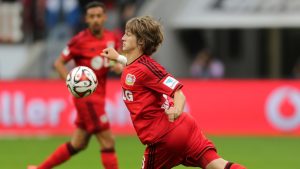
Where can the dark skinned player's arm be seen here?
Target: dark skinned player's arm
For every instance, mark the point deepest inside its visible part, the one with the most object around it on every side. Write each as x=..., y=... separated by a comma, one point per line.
x=59, y=65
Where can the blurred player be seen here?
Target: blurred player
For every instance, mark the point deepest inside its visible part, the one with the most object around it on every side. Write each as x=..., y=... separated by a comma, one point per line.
x=84, y=49
x=172, y=137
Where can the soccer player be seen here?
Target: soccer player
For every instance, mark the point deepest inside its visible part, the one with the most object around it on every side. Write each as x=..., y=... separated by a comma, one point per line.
x=84, y=49
x=172, y=137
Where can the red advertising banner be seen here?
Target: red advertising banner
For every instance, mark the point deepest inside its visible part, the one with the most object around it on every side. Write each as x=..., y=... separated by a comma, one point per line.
x=46, y=108
x=245, y=107
x=232, y=107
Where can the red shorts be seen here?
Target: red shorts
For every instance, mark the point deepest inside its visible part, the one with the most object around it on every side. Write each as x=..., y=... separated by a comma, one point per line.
x=91, y=115
x=185, y=145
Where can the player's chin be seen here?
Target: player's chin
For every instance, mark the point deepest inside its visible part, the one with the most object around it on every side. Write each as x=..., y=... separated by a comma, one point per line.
x=124, y=48
x=96, y=29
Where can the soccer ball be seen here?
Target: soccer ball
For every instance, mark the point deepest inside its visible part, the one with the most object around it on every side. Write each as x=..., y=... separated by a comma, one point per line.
x=81, y=81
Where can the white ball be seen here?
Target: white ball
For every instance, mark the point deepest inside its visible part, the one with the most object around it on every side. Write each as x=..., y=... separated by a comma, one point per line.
x=81, y=81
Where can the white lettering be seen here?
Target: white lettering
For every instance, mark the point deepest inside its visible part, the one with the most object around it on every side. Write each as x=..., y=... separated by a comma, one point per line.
x=55, y=108
x=5, y=116
x=127, y=95
x=19, y=109
x=36, y=112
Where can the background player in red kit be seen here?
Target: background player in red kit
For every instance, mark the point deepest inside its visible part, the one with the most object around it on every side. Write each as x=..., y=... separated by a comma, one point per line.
x=172, y=137
x=84, y=49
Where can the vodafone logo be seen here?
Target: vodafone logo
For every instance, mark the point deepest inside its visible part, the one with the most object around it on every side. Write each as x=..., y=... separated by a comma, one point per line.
x=283, y=108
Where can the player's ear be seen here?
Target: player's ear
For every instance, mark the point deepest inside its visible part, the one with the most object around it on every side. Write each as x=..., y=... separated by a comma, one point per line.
x=140, y=45
x=140, y=42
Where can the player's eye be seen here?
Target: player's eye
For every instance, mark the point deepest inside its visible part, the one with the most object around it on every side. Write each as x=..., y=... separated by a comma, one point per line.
x=127, y=33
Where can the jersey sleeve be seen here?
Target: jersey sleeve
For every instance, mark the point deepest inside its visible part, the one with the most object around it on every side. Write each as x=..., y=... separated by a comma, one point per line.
x=70, y=51
x=161, y=81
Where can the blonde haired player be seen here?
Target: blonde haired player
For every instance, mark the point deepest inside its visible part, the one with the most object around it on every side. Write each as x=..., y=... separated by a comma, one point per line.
x=172, y=137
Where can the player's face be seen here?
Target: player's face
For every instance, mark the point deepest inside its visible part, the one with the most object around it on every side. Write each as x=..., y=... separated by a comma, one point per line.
x=129, y=41
x=95, y=18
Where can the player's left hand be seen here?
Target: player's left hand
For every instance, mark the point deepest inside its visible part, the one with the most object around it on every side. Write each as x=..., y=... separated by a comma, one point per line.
x=173, y=113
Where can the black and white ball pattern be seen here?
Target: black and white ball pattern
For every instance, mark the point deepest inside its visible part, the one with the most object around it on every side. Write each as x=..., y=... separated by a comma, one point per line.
x=81, y=81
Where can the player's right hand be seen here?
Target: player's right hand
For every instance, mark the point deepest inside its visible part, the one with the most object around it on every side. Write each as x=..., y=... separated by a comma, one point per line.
x=110, y=53
x=173, y=113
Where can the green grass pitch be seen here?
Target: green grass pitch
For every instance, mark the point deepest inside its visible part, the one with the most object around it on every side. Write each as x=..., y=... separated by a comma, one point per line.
x=253, y=152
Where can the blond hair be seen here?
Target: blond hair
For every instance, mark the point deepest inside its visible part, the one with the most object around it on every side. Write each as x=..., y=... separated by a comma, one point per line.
x=148, y=32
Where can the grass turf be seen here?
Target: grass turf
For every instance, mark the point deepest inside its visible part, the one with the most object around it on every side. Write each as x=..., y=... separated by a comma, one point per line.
x=253, y=152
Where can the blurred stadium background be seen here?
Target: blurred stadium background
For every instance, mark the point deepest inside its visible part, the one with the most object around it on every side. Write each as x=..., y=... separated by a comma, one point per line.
x=238, y=59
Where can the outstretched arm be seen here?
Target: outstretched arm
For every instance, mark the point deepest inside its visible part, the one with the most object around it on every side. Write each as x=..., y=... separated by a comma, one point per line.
x=112, y=54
